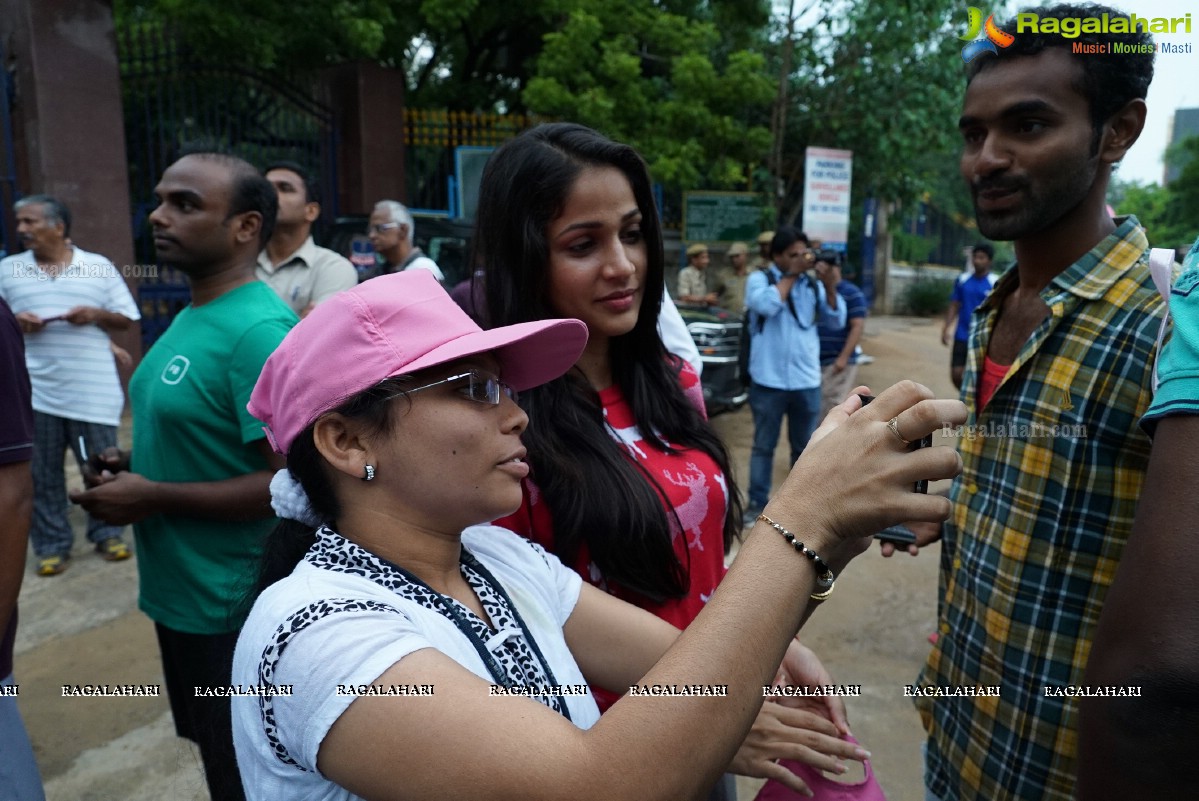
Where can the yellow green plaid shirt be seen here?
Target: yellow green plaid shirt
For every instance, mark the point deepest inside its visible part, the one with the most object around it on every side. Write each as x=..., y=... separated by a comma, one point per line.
x=1052, y=469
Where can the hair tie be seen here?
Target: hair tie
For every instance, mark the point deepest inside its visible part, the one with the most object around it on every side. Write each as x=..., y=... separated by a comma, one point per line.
x=289, y=500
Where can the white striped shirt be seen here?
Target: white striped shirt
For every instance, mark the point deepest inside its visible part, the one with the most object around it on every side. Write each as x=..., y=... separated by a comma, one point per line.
x=71, y=368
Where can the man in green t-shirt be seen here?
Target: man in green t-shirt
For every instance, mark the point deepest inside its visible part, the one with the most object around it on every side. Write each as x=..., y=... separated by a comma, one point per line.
x=196, y=484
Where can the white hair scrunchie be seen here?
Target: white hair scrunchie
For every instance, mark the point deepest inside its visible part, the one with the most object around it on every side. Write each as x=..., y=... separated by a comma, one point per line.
x=289, y=500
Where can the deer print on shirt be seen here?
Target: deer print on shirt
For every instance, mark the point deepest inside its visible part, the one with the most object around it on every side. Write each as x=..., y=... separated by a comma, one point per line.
x=692, y=511
x=629, y=437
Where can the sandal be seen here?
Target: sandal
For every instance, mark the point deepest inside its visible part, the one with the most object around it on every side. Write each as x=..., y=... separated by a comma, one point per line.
x=51, y=565
x=113, y=549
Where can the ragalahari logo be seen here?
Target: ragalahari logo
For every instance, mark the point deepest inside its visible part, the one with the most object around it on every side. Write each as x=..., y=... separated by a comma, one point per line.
x=985, y=43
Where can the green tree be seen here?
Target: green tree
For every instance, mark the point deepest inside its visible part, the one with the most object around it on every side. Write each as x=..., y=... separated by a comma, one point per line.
x=691, y=84
x=272, y=36
x=1182, y=206
x=1170, y=213
x=885, y=81
x=462, y=55
x=678, y=89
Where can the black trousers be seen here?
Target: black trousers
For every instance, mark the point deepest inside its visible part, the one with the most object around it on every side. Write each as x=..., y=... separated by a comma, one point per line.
x=203, y=660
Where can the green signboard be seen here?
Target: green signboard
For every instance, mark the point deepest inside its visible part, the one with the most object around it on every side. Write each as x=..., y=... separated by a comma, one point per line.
x=721, y=216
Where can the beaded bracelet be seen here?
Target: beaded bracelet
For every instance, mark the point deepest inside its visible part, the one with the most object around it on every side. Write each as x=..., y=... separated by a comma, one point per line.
x=825, y=577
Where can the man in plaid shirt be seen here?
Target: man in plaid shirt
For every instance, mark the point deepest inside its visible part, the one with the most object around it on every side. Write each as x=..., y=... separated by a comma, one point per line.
x=1057, y=378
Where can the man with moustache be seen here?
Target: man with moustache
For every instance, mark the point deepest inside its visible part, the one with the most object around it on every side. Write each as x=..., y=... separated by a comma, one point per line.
x=299, y=271
x=66, y=301
x=196, y=484
x=1057, y=377
x=392, y=233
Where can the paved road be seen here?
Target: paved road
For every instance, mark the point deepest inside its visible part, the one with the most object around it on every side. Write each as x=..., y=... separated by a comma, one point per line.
x=83, y=627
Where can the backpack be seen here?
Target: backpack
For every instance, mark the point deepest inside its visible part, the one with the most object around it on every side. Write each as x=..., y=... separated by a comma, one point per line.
x=748, y=332
x=1161, y=267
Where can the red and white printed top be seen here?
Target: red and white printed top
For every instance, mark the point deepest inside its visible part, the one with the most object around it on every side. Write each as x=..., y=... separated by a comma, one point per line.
x=691, y=482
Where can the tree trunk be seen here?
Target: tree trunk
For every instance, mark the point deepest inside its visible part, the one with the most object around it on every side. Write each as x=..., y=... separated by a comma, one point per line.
x=883, y=301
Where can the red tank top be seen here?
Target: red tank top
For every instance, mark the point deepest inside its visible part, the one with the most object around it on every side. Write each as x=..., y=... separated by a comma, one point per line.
x=989, y=381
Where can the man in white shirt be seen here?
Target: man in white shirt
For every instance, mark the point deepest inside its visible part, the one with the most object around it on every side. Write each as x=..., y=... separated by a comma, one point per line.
x=301, y=273
x=391, y=231
x=66, y=302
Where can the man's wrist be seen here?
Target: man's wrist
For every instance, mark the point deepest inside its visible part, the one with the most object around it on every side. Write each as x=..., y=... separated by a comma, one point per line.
x=154, y=498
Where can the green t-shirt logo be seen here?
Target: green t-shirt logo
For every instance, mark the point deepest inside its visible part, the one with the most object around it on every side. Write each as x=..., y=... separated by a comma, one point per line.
x=175, y=370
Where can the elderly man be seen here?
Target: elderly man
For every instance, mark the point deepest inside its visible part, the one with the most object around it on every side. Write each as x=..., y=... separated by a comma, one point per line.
x=66, y=301
x=391, y=232
x=301, y=273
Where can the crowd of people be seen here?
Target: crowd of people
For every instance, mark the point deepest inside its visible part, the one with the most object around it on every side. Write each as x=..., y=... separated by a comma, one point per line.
x=488, y=549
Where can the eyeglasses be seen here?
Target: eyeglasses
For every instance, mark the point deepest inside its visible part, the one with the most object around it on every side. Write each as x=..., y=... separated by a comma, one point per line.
x=481, y=387
x=379, y=228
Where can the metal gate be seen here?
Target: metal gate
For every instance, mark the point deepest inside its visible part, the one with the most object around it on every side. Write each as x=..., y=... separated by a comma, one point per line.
x=175, y=98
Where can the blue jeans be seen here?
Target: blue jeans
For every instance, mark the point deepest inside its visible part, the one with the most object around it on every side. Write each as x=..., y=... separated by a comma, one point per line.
x=19, y=777
x=802, y=408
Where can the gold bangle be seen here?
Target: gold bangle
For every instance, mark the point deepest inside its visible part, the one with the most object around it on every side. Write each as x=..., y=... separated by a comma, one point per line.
x=823, y=595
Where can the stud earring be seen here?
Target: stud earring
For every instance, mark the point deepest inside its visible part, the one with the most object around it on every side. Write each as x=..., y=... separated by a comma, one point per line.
x=369, y=473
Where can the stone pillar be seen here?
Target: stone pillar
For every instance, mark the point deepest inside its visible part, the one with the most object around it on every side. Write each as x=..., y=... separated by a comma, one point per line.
x=368, y=107
x=69, y=132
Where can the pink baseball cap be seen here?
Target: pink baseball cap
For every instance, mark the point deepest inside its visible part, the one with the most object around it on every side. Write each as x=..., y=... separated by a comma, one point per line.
x=389, y=326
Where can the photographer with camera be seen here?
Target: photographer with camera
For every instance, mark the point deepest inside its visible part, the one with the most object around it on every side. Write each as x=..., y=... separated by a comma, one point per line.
x=785, y=302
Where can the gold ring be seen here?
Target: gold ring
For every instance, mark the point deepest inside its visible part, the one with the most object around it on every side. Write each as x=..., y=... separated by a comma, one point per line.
x=893, y=425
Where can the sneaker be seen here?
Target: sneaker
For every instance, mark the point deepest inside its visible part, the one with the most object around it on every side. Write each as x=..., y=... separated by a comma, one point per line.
x=113, y=549
x=750, y=517
x=52, y=565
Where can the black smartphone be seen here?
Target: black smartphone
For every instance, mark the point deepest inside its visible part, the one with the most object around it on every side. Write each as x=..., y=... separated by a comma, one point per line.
x=924, y=442
x=898, y=535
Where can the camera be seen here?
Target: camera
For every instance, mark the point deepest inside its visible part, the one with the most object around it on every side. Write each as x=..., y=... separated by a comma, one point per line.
x=828, y=257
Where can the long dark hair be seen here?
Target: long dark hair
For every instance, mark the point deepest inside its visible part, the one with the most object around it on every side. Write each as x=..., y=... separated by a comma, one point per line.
x=598, y=496
x=291, y=539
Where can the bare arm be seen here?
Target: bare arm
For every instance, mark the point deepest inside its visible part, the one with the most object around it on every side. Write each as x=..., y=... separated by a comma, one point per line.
x=1147, y=637
x=854, y=335
x=650, y=747
x=951, y=316
x=93, y=315
x=16, y=507
x=128, y=497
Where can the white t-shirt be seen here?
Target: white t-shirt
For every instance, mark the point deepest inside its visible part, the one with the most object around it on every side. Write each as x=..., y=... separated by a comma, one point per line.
x=675, y=336
x=425, y=263
x=71, y=369
x=329, y=624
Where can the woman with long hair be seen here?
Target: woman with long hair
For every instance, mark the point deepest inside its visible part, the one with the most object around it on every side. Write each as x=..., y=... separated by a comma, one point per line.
x=630, y=485
x=400, y=649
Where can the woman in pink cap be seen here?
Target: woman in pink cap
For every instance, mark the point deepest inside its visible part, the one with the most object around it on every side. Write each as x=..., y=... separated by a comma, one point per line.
x=400, y=649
